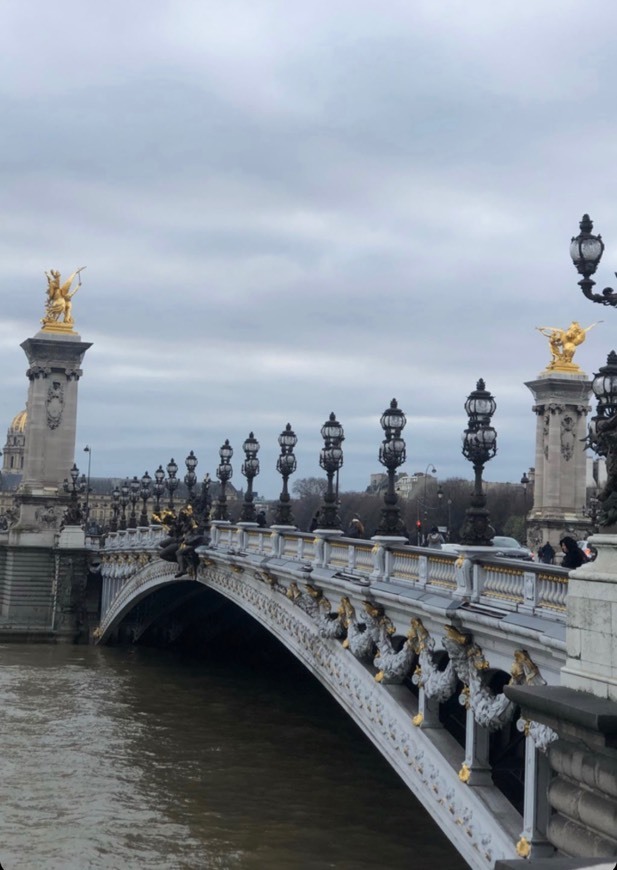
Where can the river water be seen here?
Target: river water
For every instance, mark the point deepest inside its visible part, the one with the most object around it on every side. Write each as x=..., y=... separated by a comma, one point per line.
x=147, y=758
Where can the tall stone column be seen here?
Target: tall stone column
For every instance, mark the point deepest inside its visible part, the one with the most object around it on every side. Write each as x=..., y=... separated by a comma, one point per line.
x=55, y=355
x=54, y=372
x=41, y=577
x=560, y=471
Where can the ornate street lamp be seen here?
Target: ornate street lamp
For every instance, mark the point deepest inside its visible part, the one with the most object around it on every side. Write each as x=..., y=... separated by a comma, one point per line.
x=190, y=478
x=392, y=454
x=331, y=460
x=586, y=251
x=479, y=445
x=602, y=437
x=88, y=450
x=74, y=515
x=115, y=509
x=420, y=530
x=203, y=504
x=134, y=487
x=125, y=492
x=145, y=491
x=250, y=469
x=172, y=482
x=525, y=484
x=224, y=472
x=158, y=488
x=285, y=465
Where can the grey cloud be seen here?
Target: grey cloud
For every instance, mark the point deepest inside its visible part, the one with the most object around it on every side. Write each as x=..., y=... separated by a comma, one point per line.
x=288, y=210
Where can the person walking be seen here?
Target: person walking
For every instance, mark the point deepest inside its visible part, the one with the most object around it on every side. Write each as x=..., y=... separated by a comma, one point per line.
x=435, y=539
x=546, y=554
x=356, y=529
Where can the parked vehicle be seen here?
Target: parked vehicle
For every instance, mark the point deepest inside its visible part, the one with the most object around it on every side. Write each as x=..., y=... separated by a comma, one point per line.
x=511, y=549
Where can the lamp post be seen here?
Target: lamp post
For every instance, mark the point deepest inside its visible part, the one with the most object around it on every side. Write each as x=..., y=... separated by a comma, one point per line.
x=115, y=509
x=525, y=484
x=203, y=504
x=172, y=482
x=224, y=472
x=190, y=478
x=158, y=488
x=392, y=454
x=602, y=437
x=449, y=503
x=125, y=491
x=88, y=450
x=331, y=460
x=419, y=527
x=285, y=465
x=250, y=469
x=479, y=445
x=134, y=488
x=74, y=515
x=145, y=491
x=586, y=251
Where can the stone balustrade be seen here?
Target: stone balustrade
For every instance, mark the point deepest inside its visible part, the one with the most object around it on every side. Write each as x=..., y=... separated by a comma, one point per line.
x=503, y=584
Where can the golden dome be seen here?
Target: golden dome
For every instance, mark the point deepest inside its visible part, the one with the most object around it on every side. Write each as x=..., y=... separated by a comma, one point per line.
x=19, y=422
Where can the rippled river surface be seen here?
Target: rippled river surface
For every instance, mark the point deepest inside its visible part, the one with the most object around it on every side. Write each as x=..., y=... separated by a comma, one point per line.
x=138, y=758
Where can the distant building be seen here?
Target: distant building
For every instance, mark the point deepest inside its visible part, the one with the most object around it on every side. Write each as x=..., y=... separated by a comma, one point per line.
x=377, y=481
x=404, y=485
x=13, y=451
x=407, y=483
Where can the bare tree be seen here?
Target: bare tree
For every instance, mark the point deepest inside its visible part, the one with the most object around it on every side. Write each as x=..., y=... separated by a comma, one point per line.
x=309, y=486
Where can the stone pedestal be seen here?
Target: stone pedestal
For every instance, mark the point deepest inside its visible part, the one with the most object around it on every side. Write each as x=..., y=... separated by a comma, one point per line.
x=72, y=537
x=582, y=793
x=560, y=466
x=591, y=665
x=41, y=576
x=54, y=371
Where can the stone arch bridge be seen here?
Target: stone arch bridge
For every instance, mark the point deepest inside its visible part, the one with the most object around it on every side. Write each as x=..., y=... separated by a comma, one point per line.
x=415, y=645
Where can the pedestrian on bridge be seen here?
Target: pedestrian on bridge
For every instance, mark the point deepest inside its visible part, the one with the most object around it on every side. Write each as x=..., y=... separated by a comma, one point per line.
x=573, y=555
x=435, y=539
x=356, y=529
x=546, y=554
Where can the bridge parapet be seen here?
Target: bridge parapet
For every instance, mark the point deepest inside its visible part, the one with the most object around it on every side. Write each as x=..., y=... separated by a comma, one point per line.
x=504, y=585
x=479, y=577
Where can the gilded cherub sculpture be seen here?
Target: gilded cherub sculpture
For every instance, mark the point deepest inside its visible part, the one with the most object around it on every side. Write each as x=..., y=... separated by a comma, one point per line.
x=563, y=344
x=59, y=302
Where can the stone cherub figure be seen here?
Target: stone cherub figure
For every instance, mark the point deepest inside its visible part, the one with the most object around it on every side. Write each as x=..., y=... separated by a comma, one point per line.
x=563, y=344
x=59, y=297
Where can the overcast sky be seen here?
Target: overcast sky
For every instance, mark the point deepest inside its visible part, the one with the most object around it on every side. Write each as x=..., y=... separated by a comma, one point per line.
x=291, y=208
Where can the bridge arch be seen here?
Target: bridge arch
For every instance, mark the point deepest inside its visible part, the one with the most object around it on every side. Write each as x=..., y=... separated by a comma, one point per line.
x=385, y=713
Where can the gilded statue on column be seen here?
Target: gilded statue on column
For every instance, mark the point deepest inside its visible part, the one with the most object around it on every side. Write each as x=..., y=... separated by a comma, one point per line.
x=563, y=343
x=58, y=307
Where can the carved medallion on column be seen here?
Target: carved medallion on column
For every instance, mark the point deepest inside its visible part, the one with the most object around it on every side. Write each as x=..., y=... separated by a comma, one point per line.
x=54, y=404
